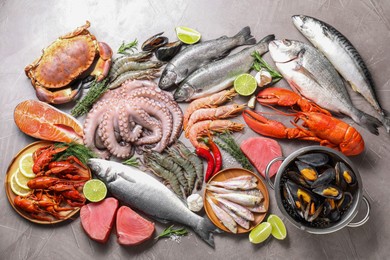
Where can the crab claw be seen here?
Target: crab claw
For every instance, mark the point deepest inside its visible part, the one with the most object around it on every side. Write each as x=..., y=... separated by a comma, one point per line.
x=57, y=97
x=103, y=64
x=264, y=126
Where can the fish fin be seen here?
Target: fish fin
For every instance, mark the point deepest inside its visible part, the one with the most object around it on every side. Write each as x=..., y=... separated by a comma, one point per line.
x=245, y=34
x=161, y=220
x=204, y=229
x=385, y=121
x=267, y=38
x=304, y=71
x=126, y=177
x=369, y=122
x=353, y=86
x=222, y=37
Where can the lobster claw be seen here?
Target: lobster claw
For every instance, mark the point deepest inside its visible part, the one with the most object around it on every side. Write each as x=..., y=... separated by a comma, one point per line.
x=264, y=126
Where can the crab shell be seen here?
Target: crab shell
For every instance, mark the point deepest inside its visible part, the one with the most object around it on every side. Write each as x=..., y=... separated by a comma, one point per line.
x=65, y=60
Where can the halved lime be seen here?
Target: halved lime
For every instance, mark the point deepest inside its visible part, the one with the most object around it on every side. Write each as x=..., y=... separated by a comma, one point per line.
x=21, y=180
x=187, y=35
x=260, y=233
x=25, y=165
x=245, y=84
x=16, y=188
x=95, y=190
x=278, y=228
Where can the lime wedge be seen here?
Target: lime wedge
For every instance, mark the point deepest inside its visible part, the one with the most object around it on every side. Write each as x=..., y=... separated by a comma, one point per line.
x=95, y=190
x=16, y=188
x=245, y=84
x=260, y=233
x=25, y=165
x=187, y=35
x=278, y=228
x=21, y=180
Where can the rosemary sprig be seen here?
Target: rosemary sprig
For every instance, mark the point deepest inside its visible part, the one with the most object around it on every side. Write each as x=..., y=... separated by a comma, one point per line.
x=80, y=151
x=260, y=63
x=133, y=161
x=85, y=104
x=129, y=47
x=169, y=231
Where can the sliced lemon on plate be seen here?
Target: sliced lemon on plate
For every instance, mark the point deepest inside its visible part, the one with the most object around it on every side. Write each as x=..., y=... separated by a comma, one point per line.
x=187, y=35
x=95, y=190
x=16, y=188
x=25, y=165
x=21, y=180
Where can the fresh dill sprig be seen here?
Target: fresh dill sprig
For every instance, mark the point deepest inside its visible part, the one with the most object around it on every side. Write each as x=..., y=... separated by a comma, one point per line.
x=85, y=104
x=169, y=231
x=133, y=161
x=129, y=47
x=79, y=151
x=260, y=63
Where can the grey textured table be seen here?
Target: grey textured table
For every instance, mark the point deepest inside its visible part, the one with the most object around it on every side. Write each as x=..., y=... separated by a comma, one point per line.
x=28, y=26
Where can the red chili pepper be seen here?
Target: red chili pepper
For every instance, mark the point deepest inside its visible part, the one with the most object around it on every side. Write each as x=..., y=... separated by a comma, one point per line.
x=206, y=154
x=217, y=155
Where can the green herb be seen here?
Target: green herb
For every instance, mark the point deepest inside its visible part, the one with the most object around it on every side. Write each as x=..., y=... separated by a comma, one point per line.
x=259, y=63
x=79, y=151
x=129, y=47
x=133, y=161
x=170, y=231
x=84, y=105
x=228, y=144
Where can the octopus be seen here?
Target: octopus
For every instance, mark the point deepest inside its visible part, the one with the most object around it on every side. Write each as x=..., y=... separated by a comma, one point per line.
x=138, y=116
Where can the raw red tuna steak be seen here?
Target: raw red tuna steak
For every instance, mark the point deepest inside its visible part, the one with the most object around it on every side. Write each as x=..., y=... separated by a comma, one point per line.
x=97, y=219
x=260, y=151
x=131, y=228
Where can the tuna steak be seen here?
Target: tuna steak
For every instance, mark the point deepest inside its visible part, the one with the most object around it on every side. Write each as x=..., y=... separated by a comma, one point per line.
x=260, y=151
x=97, y=219
x=131, y=228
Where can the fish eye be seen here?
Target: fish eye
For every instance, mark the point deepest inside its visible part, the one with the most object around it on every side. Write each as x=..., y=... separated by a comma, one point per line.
x=287, y=42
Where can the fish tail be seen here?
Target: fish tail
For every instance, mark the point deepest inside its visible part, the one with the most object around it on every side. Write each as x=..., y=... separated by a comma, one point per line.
x=385, y=121
x=245, y=35
x=369, y=122
x=205, y=229
x=268, y=38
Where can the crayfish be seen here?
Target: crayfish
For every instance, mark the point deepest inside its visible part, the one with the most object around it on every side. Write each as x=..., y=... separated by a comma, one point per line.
x=318, y=124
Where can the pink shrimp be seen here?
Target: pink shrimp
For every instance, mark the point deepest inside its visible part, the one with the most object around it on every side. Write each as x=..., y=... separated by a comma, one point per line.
x=213, y=114
x=208, y=102
x=202, y=128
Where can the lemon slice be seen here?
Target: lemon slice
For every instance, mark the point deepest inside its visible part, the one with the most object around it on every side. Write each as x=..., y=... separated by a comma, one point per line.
x=95, y=190
x=187, y=35
x=260, y=233
x=21, y=180
x=16, y=188
x=278, y=228
x=25, y=165
x=245, y=84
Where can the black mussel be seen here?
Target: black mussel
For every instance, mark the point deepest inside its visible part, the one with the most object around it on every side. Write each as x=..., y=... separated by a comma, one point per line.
x=300, y=194
x=315, y=212
x=329, y=206
x=314, y=159
x=345, y=201
x=324, y=178
x=167, y=52
x=334, y=215
x=329, y=191
x=297, y=178
x=345, y=177
x=308, y=172
x=154, y=42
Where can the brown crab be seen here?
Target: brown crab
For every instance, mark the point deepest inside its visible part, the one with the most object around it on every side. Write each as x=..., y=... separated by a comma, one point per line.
x=56, y=75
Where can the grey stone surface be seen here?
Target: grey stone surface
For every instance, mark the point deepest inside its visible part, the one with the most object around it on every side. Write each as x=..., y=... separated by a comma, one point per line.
x=28, y=26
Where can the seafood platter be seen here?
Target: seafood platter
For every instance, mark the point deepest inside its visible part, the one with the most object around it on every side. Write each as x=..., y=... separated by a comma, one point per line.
x=151, y=132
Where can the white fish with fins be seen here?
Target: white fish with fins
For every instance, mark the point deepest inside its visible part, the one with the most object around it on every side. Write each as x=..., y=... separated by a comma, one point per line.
x=344, y=57
x=143, y=192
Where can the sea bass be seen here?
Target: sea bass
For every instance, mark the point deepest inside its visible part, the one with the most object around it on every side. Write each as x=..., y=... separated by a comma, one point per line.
x=198, y=55
x=219, y=75
x=311, y=74
x=145, y=193
x=344, y=57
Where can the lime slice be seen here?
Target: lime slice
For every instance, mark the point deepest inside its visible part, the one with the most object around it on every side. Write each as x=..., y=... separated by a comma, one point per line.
x=95, y=190
x=21, y=180
x=260, y=233
x=25, y=165
x=245, y=84
x=16, y=188
x=278, y=228
x=187, y=35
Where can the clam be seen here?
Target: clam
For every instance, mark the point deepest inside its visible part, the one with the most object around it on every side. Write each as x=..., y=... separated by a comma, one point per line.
x=154, y=42
x=167, y=52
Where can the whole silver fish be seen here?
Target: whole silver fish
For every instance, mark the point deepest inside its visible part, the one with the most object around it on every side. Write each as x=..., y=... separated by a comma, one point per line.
x=242, y=199
x=344, y=57
x=223, y=216
x=145, y=193
x=219, y=75
x=198, y=55
x=238, y=209
x=238, y=219
x=311, y=74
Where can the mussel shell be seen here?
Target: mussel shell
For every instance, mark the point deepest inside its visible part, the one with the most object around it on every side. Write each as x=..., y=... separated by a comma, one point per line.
x=154, y=42
x=167, y=52
x=329, y=191
x=329, y=206
x=297, y=178
x=334, y=215
x=324, y=178
x=345, y=177
x=314, y=159
x=307, y=171
x=300, y=193
x=345, y=201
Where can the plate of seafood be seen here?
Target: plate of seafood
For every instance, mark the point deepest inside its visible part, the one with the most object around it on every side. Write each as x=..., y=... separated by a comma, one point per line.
x=236, y=200
x=43, y=190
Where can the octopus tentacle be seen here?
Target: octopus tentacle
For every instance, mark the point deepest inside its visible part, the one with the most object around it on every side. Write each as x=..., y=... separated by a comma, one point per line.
x=128, y=130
